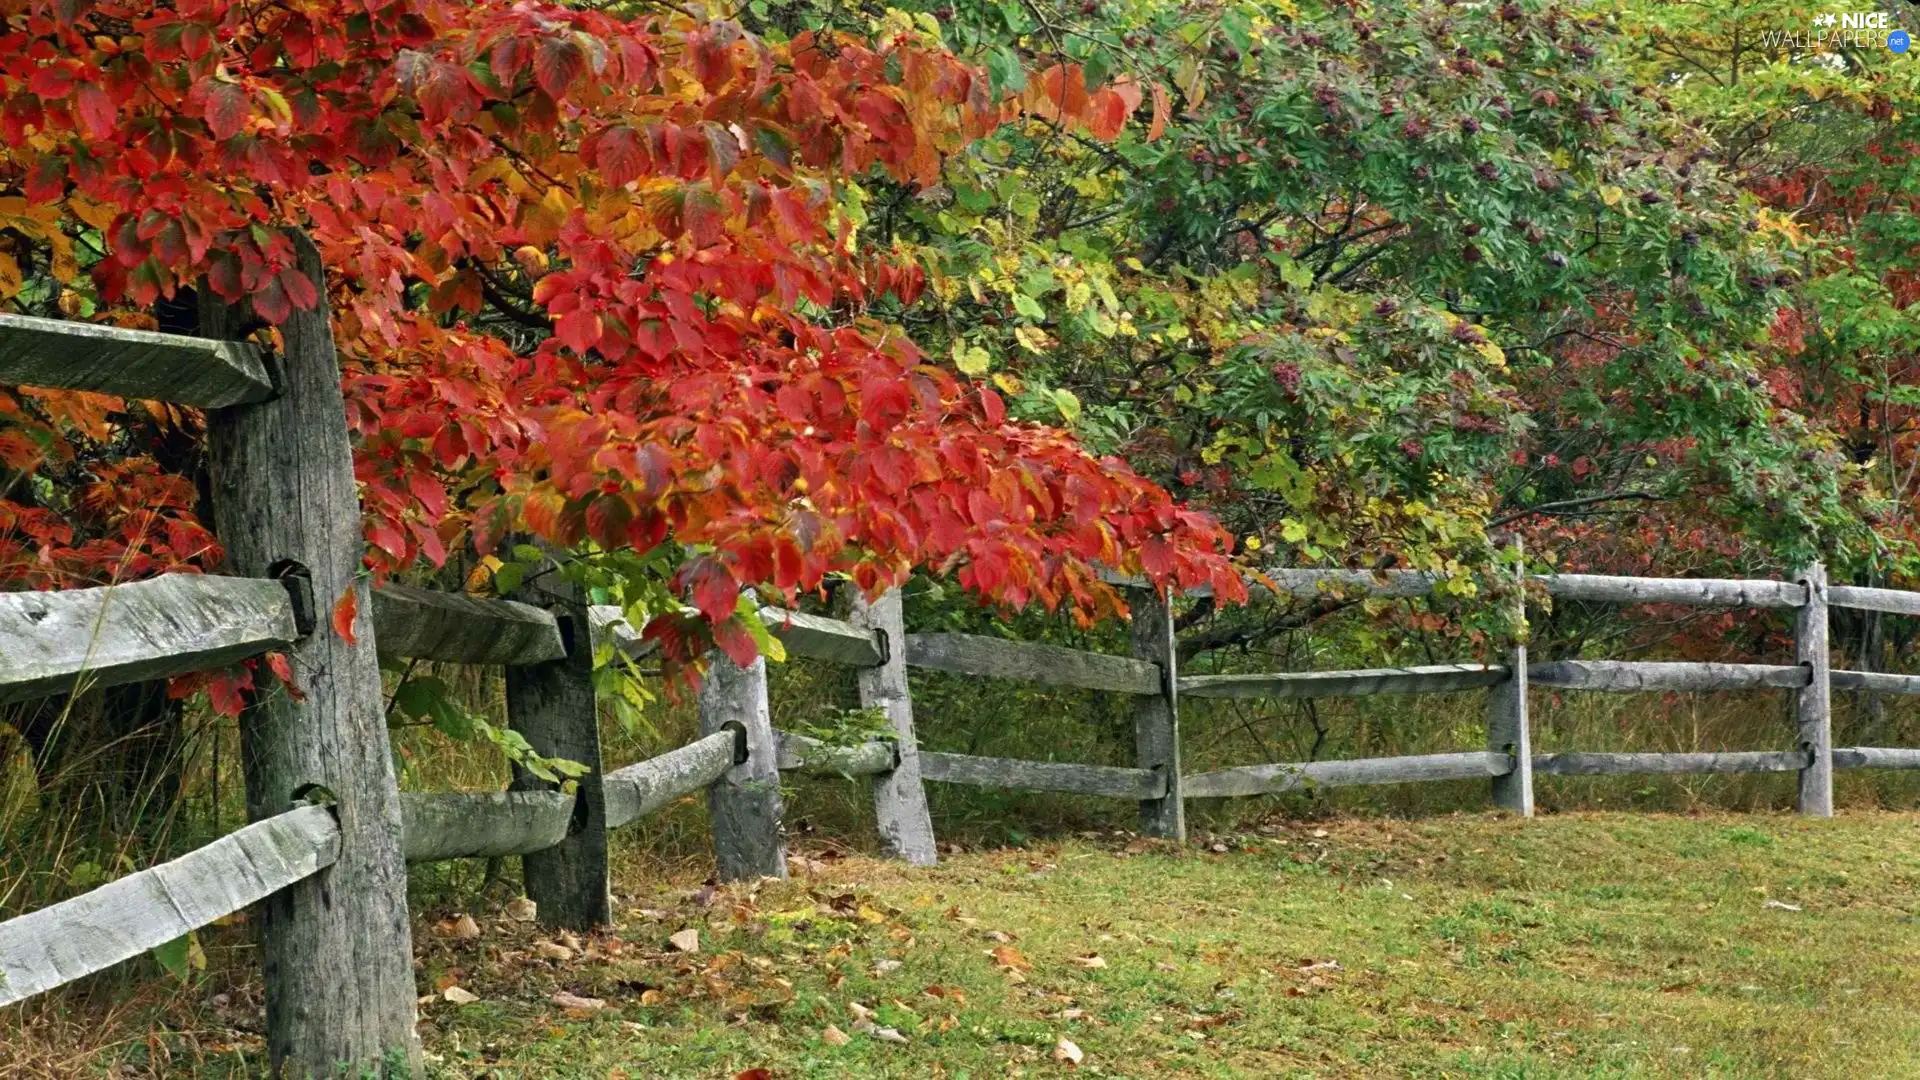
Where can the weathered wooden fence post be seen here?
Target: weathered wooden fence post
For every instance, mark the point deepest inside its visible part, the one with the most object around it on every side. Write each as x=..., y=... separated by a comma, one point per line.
x=1509, y=729
x=1814, y=702
x=900, y=796
x=552, y=705
x=1156, y=718
x=336, y=948
x=745, y=803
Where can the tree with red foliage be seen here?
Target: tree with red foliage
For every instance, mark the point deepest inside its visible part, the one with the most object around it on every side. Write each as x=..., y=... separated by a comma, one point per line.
x=657, y=206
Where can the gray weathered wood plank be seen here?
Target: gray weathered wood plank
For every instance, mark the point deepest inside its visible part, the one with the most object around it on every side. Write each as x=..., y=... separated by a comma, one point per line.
x=611, y=629
x=1604, y=764
x=744, y=805
x=55, y=642
x=1433, y=679
x=130, y=363
x=337, y=949
x=1876, y=757
x=1108, y=780
x=1894, y=601
x=1630, y=676
x=973, y=654
x=122, y=919
x=1875, y=682
x=1813, y=702
x=1272, y=779
x=799, y=753
x=819, y=638
x=428, y=624
x=1509, y=728
x=1700, y=592
x=899, y=797
x=552, y=704
x=645, y=786
x=482, y=824
x=1156, y=717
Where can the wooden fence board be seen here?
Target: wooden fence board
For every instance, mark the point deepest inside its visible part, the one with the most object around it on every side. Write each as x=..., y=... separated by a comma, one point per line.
x=1601, y=764
x=1156, y=717
x=1626, y=676
x=130, y=363
x=1876, y=682
x=428, y=624
x=1876, y=757
x=1108, y=780
x=799, y=753
x=973, y=654
x=1272, y=779
x=124, y=918
x=1893, y=601
x=1813, y=702
x=481, y=824
x=1699, y=592
x=1437, y=678
x=899, y=798
x=51, y=642
x=641, y=788
x=819, y=638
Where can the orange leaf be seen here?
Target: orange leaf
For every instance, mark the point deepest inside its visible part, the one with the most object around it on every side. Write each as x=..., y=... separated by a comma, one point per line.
x=1162, y=108
x=345, y=610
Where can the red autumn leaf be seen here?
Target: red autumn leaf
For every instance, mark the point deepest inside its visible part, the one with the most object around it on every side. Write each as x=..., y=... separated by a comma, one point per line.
x=620, y=155
x=1162, y=110
x=579, y=330
x=345, y=610
x=282, y=669
x=1106, y=115
x=97, y=113
x=558, y=64
x=226, y=108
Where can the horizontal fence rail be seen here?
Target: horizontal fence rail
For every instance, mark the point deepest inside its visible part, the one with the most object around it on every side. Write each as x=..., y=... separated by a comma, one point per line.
x=130, y=363
x=482, y=824
x=1623, y=676
x=1603, y=764
x=427, y=624
x=1892, y=601
x=51, y=642
x=973, y=654
x=1111, y=781
x=799, y=753
x=1431, y=679
x=1274, y=779
x=640, y=789
x=141, y=912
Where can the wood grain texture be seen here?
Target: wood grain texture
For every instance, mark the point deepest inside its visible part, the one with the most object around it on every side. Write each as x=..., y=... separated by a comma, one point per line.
x=131, y=363
x=139, y=912
x=553, y=705
x=643, y=787
x=1813, y=703
x=819, y=638
x=1876, y=757
x=482, y=824
x=1156, y=717
x=1699, y=592
x=612, y=630
x=1874, y=682
x=427, y=624
x=744, y=805
x=799, y=753
x=58, y=642
x=1601, y=764
x=1509, y=727
x=973, y=654
x=336, y=948
x=899, y=797
x=1628, y=676
x=1894, y=601
x=1014, y=773
x=1273, y=779
x=1431, y=679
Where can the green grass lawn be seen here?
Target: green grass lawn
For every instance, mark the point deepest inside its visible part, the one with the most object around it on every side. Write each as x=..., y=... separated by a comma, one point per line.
x=1471, y=946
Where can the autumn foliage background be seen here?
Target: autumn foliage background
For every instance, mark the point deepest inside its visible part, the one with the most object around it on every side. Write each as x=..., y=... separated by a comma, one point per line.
x=988, y=296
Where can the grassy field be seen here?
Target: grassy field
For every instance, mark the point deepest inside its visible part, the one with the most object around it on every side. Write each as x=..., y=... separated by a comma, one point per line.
x=1463, y=946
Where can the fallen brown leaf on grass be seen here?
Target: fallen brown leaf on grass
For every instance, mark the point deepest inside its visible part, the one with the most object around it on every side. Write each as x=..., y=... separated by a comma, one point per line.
x=1065, y=1051
x=1006, y=956
x=1091, y=961
x=458, y=996
x=833, y=1036
x=521, y=909
x=552, y=950
x=576, y=1003
x=687, y=940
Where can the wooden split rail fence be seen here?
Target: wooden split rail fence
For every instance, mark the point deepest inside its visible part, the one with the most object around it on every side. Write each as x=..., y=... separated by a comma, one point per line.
x=325, y=855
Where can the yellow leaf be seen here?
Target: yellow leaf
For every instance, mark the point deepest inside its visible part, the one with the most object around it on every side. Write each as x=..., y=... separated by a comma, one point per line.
x=10, y=277
x=1008, y=384
x=1610, y=194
